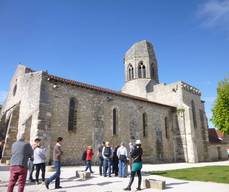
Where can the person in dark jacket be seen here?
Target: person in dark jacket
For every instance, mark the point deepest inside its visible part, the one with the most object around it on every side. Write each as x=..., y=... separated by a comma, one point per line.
x=57, y=153
x=115, y=161
x=136, y=156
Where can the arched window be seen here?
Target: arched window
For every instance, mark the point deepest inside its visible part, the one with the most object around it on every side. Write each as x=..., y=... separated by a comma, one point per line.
x=141, y=70
x=130, y=72
x=152, y=71
x=166, y=128
x=115, y=121
x=144, y=122
x=194, y=114
x=72, y=115
x=15, y=90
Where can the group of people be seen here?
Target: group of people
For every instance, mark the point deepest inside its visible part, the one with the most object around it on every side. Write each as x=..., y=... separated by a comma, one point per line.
x=26, y=156
x=112, y=160
x=119, y=158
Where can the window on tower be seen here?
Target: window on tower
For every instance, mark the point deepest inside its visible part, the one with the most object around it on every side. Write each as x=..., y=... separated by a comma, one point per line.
x=141, y=70
x=130, y=72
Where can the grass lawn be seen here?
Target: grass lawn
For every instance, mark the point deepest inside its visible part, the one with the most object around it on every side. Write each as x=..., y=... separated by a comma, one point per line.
x=218, y=174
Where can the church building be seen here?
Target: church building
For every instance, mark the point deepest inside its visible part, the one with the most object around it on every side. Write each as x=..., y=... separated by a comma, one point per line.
x=169, y=119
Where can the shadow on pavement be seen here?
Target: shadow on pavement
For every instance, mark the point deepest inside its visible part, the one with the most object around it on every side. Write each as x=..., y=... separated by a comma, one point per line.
x=180, y=183
x=107, y=183
x=82, y=185
x=4, y=168
x=171, y=185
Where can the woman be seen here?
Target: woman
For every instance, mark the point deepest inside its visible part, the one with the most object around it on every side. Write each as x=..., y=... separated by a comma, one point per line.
x=136, y=156
x=89, y=155
x=39, y=154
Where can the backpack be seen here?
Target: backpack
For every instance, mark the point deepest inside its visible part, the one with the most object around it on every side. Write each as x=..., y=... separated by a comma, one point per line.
x=107, y=152
x=84, y=155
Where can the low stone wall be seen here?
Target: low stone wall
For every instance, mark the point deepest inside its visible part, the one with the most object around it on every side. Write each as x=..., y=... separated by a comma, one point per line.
x=217, y=152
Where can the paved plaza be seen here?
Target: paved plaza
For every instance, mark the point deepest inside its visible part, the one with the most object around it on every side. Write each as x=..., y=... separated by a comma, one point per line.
x=115, y=184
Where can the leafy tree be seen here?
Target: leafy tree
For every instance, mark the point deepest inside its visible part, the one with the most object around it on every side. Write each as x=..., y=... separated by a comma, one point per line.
x=220, y=109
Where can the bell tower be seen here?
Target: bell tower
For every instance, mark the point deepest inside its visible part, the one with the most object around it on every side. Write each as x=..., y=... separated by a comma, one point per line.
x=141, y=70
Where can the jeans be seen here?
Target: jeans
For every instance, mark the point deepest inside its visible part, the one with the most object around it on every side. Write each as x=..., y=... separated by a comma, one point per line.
x=107, y=165
x=88, y=166
x=100, y=165
x=56, y=175
x=40, y=166
x=122, y=168
x=31, y=169
x=17, y=173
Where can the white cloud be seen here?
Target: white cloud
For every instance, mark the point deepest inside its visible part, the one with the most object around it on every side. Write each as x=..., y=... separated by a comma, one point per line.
x=3, y=95
x=215, y=13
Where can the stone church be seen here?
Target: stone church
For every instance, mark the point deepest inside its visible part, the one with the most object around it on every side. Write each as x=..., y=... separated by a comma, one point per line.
x=169, y=119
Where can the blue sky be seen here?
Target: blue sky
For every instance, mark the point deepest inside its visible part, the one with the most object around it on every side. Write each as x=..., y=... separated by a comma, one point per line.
x=86, y=40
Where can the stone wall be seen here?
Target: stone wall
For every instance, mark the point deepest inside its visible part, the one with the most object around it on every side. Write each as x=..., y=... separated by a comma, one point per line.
x=217, y=152
x=193, y=138
x=95, y=122
x=24, y=92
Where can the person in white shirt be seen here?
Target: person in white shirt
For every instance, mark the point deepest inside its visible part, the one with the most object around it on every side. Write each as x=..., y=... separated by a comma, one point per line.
x=122, y=156
x=39, y=154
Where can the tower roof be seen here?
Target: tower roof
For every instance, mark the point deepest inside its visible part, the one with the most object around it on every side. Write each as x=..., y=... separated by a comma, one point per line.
x=140, y=49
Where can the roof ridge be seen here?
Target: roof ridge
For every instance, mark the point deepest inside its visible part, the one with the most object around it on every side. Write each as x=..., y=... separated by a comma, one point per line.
x=101, y=89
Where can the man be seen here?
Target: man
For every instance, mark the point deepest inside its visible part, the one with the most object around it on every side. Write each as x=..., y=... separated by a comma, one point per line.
x=101, y=158
x=57, y=153
x=39, y=160
x=107, y=154
x=122, y=156
x=21, y=152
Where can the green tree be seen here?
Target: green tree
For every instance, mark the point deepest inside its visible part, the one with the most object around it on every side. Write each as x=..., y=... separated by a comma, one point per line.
x=220, y=109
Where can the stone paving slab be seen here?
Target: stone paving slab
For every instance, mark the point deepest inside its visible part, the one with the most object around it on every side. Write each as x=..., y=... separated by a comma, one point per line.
x=115, y=184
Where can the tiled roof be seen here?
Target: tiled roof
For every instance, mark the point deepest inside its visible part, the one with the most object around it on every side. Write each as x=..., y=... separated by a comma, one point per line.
x=214, y=136
x=100, y=89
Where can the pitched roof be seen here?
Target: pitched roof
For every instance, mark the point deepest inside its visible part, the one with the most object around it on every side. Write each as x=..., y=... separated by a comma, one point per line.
x=215, y=136
x=103, y=90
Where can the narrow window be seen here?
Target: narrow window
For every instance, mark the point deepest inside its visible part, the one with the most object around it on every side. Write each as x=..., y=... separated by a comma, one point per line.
x=166, y=128
x=130, y=72
x=194, y=114
x=115, y=121
x=139, y=72
x=15, y=90
x=72, y=116
x=143, y=71
x=144, y=121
